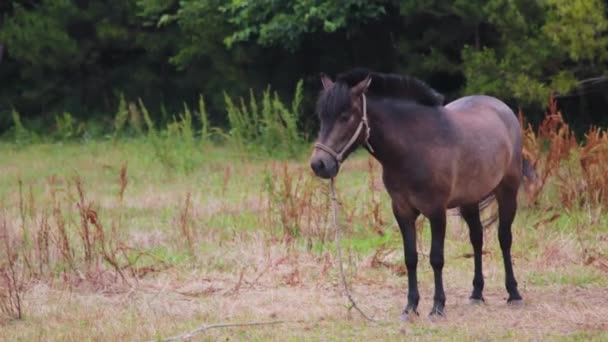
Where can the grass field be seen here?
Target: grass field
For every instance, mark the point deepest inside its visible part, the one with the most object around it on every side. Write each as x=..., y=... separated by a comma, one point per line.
x=156, y=252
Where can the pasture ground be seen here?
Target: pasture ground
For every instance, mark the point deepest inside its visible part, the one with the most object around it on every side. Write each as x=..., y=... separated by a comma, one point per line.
x=217, y=246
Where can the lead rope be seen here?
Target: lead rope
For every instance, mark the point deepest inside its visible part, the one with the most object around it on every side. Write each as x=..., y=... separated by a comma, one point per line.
x=334, y=202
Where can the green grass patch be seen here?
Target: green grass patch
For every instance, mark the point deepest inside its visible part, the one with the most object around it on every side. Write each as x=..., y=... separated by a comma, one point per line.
x=582, y=276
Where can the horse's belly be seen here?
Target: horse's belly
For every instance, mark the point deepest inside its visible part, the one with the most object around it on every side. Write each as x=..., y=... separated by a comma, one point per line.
x=472, y=193
x=479, y=172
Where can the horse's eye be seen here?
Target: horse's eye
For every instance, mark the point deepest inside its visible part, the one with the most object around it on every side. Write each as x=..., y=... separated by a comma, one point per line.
x=344, y=116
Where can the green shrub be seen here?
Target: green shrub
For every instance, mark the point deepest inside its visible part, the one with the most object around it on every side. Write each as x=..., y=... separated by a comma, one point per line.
x=121, y=117
x=68, y=127
x=270, y=129
x=22, y=136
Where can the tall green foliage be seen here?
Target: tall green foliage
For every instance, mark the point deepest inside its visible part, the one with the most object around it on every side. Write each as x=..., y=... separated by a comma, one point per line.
x=22, y=135
x=204, y=117
x=68, y=127
x=175, y=146
x=121, y=117
x=271, y=127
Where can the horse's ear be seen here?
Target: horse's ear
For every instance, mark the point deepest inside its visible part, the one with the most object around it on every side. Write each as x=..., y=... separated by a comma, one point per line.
x=362, y=86
x=327, y=82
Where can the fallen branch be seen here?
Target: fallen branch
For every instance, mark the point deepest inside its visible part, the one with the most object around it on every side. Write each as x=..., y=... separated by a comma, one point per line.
x=334, y=202
x=204, y=328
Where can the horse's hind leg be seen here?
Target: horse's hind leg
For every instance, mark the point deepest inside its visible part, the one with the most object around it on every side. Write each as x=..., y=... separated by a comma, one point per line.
x=470, y=214
x=506, y=195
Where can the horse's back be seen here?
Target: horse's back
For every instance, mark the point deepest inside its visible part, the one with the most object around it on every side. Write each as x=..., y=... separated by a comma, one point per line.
x=481, y=110
x=484, y=105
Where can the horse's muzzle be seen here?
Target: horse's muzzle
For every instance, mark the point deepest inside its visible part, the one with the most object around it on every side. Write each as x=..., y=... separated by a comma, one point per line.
x=324, y=166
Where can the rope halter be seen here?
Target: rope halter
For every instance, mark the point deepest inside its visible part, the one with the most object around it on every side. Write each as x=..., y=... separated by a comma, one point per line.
x=339, y=156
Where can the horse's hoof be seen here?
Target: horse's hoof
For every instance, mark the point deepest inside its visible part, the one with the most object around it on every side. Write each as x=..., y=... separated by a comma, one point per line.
x=408, y=315
x=438, y=313
x=437, y=316
x=477, y=301
x=515, y=302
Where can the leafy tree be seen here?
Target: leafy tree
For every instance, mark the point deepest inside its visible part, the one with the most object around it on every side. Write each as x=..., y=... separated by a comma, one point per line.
x=77, y=56
x=544, y=47
x=286, y=22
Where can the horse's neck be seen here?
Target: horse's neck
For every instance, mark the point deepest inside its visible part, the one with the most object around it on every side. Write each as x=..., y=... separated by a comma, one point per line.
x=381, y=137
x=392, y=135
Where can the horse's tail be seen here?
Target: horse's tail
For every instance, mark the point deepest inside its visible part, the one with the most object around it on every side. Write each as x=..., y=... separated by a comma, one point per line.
x=484, y=204
x=528, y=170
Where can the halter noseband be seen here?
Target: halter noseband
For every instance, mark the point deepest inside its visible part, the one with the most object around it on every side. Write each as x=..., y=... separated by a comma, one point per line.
x=338, y=156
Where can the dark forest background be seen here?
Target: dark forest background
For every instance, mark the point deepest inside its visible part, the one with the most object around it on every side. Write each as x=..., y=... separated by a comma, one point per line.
x=81, y=56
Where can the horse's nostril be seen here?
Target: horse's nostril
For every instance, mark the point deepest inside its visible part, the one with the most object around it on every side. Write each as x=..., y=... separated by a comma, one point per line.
x=318, y=165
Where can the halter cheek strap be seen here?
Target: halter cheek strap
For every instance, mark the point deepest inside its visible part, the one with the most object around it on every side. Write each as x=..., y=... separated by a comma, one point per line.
x=339, y=156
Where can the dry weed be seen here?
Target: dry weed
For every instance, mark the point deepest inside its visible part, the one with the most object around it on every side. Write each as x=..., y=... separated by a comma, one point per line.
x=12, y=275
x=296, y=202
x=577, y=171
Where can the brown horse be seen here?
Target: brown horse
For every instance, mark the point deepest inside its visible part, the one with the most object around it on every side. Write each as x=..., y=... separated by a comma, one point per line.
x=433, y=158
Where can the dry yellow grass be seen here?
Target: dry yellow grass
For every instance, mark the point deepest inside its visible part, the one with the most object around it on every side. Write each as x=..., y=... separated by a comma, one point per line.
x=303, y=290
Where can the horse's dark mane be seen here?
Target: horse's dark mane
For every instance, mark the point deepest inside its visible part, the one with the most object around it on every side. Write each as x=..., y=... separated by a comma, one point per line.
x=393, y=85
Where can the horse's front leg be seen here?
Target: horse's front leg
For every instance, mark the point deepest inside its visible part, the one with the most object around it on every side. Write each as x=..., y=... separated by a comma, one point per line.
x=406, y=218
x=438, y=222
